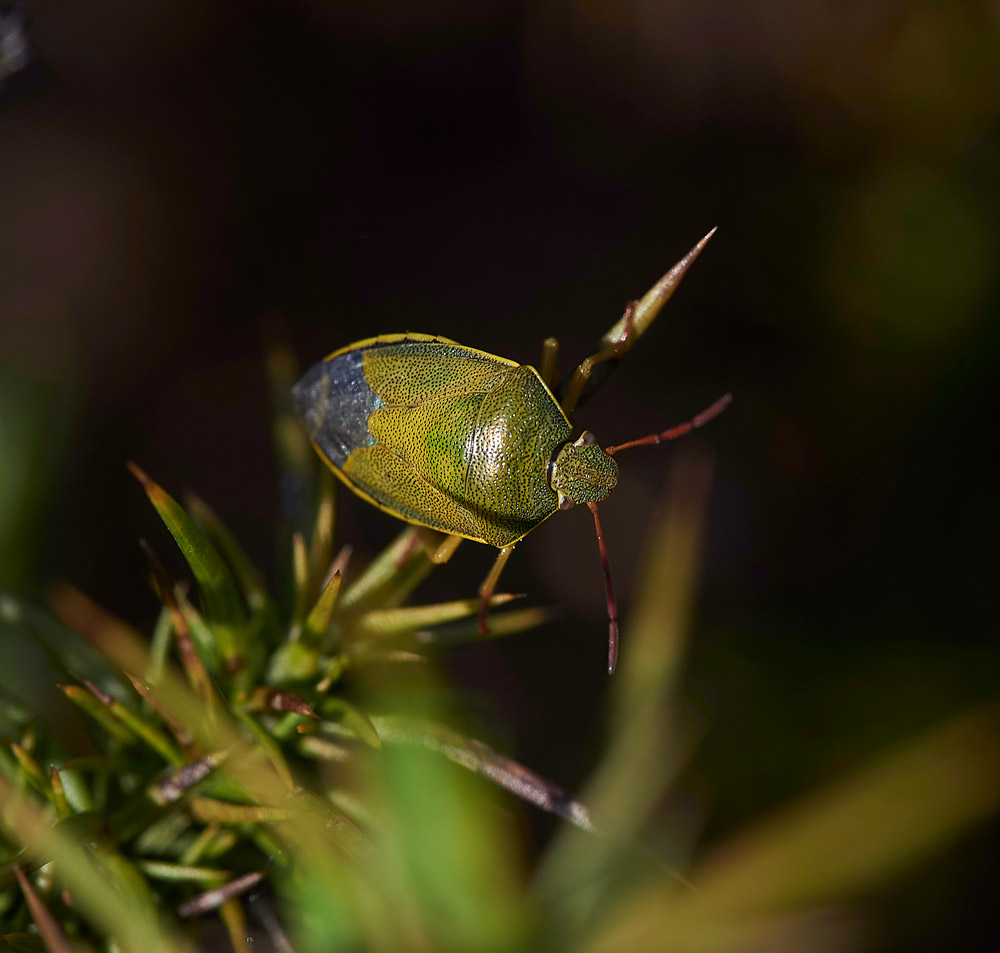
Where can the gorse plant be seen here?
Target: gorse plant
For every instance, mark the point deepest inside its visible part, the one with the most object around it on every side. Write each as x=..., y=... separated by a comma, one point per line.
x=233, y=777
x=212, y=739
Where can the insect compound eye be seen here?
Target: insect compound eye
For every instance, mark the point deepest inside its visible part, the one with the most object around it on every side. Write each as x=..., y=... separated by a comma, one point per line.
x=586, y=439
x=566, y=502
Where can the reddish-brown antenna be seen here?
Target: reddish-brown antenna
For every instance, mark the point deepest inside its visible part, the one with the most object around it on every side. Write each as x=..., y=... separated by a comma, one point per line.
x=694, y=423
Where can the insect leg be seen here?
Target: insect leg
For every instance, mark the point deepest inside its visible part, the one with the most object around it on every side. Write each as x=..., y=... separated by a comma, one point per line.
x=438, y=546
x=490, y=583
x=609, y=590
x=548, y=368
x=608, y=352
x=574, y=390
x=445, y=550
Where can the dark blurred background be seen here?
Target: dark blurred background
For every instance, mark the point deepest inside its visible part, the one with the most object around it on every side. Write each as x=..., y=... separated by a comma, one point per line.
x=177, y=177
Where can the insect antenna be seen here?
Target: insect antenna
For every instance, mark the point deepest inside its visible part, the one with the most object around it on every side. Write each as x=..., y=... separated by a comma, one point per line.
x=699, y=420
x=610, y=590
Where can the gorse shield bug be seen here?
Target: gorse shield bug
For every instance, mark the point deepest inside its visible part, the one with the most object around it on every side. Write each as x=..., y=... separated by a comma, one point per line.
x=474, y=445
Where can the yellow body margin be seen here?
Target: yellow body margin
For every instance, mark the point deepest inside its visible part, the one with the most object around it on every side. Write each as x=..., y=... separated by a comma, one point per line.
x=414, y=336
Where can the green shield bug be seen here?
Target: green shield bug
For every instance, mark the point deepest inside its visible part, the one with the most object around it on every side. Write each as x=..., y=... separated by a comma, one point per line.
x=474, y=445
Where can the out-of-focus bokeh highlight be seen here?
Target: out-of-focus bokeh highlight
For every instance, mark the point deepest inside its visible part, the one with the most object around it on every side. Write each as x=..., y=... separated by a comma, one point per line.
x=178, y=180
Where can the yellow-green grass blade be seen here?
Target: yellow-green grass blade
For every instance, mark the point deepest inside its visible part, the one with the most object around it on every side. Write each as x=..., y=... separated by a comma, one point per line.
x=75, y=790
x=321, y=544
x=59, y=800
x=100, y=712
x=148, y=732
x=182, y=873
x=196, y=643
x=342, y=715
x=256, y=594
x=231, y=911
x=138, y=725
x=215, y=581
x=212, y=841
x=191, y=630
x=319, y=616
x=31, y=771
x=159, y=649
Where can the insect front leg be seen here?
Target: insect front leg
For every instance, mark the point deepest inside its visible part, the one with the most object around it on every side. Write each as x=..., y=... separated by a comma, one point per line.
x=490, y=584
x=607, y=353
x=624, y=333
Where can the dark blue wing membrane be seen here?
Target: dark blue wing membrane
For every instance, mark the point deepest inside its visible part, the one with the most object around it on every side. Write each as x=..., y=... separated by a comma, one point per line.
x=333, y=401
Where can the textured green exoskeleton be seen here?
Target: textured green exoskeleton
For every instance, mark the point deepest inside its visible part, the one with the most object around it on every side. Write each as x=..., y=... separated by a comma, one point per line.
x=468, y=443
x=449, y=437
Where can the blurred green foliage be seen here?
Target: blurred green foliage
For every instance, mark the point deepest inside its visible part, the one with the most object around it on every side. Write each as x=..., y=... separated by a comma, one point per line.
x=356, y=833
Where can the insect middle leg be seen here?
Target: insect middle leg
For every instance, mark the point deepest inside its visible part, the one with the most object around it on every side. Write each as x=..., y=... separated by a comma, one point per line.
x=490, y=584
x=438, y=546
